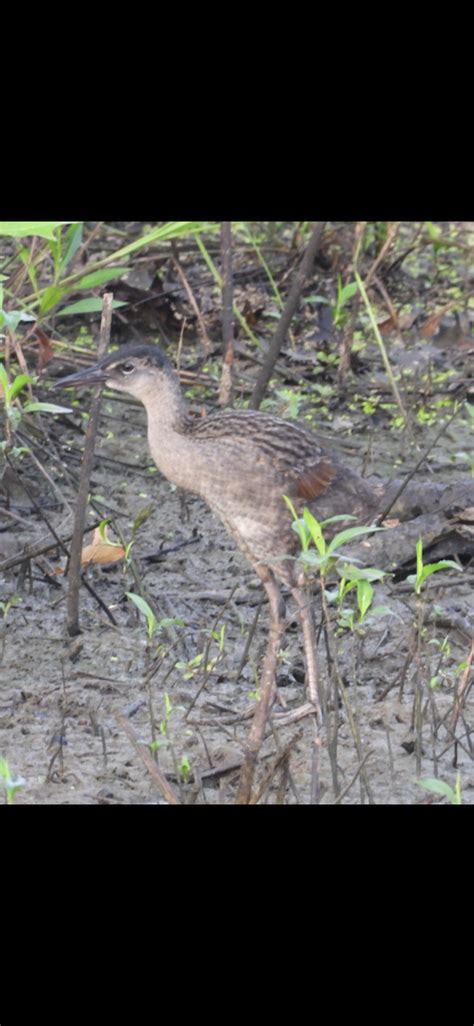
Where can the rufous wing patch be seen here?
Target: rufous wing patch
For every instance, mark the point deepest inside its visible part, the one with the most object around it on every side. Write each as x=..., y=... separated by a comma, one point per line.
x=313, y=482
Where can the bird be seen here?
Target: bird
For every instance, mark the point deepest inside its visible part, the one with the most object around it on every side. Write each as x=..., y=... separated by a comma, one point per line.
x=242, y=462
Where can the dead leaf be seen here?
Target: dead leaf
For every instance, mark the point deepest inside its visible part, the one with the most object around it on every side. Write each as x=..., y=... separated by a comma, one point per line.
x=401, y=322
x=45, y=350
x=431, y=325
x=385, y=327
x=101, y=551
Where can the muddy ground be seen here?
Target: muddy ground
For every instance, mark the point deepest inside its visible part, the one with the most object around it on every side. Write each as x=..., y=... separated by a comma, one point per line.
x=59, y=698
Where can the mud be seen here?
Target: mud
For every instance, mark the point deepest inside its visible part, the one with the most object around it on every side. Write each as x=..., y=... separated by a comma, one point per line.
x=58, y=697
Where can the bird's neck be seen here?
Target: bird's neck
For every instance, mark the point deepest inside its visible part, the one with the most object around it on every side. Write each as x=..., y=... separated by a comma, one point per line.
x=165, y=406
x=168, y=431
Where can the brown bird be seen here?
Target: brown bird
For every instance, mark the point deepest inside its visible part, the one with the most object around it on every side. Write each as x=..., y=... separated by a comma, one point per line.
x=242, y=462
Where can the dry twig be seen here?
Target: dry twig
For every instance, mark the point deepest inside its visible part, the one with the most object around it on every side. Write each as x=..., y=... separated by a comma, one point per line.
x=73, y=627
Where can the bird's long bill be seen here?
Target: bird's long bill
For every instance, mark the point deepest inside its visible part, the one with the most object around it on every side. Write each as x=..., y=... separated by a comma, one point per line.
x=90, y=376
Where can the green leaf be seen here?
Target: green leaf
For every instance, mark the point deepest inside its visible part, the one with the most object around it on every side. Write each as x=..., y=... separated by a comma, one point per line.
x=74, y=239
x=384, y=611
x=438, y=787
x=20, y=381
x=422, y=572
x=105, y=538
x=141, y=517
x=315, y=299
x=87, y=306
x=419, y=557
x=355, y=573
x=10, y=319
x=344, y=588
x=45, y=408
x=444, y=564
x=365, y=594
x=103, y=530
x=20, y=229
x=50, y=298
x=144, y=608
x=55, y=250
x=312, y=558
x=290, y=506
x=171, y=621
x=347, y=292
x=4, y=382
x=434, y=231
x=346, y=536
x=337, y=519
x=298, y=525
x=100, y=277
x=165, y=232
x=140, y=602
x=314, y=528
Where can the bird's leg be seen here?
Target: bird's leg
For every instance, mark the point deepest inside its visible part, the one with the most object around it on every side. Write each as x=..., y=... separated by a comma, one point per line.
x=267, y=684
x=309, y=643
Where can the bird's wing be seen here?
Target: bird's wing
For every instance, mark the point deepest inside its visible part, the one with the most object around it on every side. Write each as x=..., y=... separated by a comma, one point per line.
x=280, y=446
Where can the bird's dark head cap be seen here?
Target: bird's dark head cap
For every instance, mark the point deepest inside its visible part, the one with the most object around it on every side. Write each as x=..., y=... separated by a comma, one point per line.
x=122, y=363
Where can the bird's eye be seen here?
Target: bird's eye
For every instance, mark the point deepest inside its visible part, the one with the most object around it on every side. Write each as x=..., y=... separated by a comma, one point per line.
x=127, y=368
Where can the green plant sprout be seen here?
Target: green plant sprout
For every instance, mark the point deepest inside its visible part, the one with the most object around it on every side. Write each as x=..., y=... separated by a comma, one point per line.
x=339, y=314
x=440, y=787
x=219, y=636
x=10, y=786
x=184, y=768
x=152, y=623
x=140, y=519
x=310, y=530
x=191, y=667
x=201, y=662
x=434, y=233
x=360, y=579
x=344, y=294
x=6, y=606
x=423, y=572
x=447, y=675
x=327, y=557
